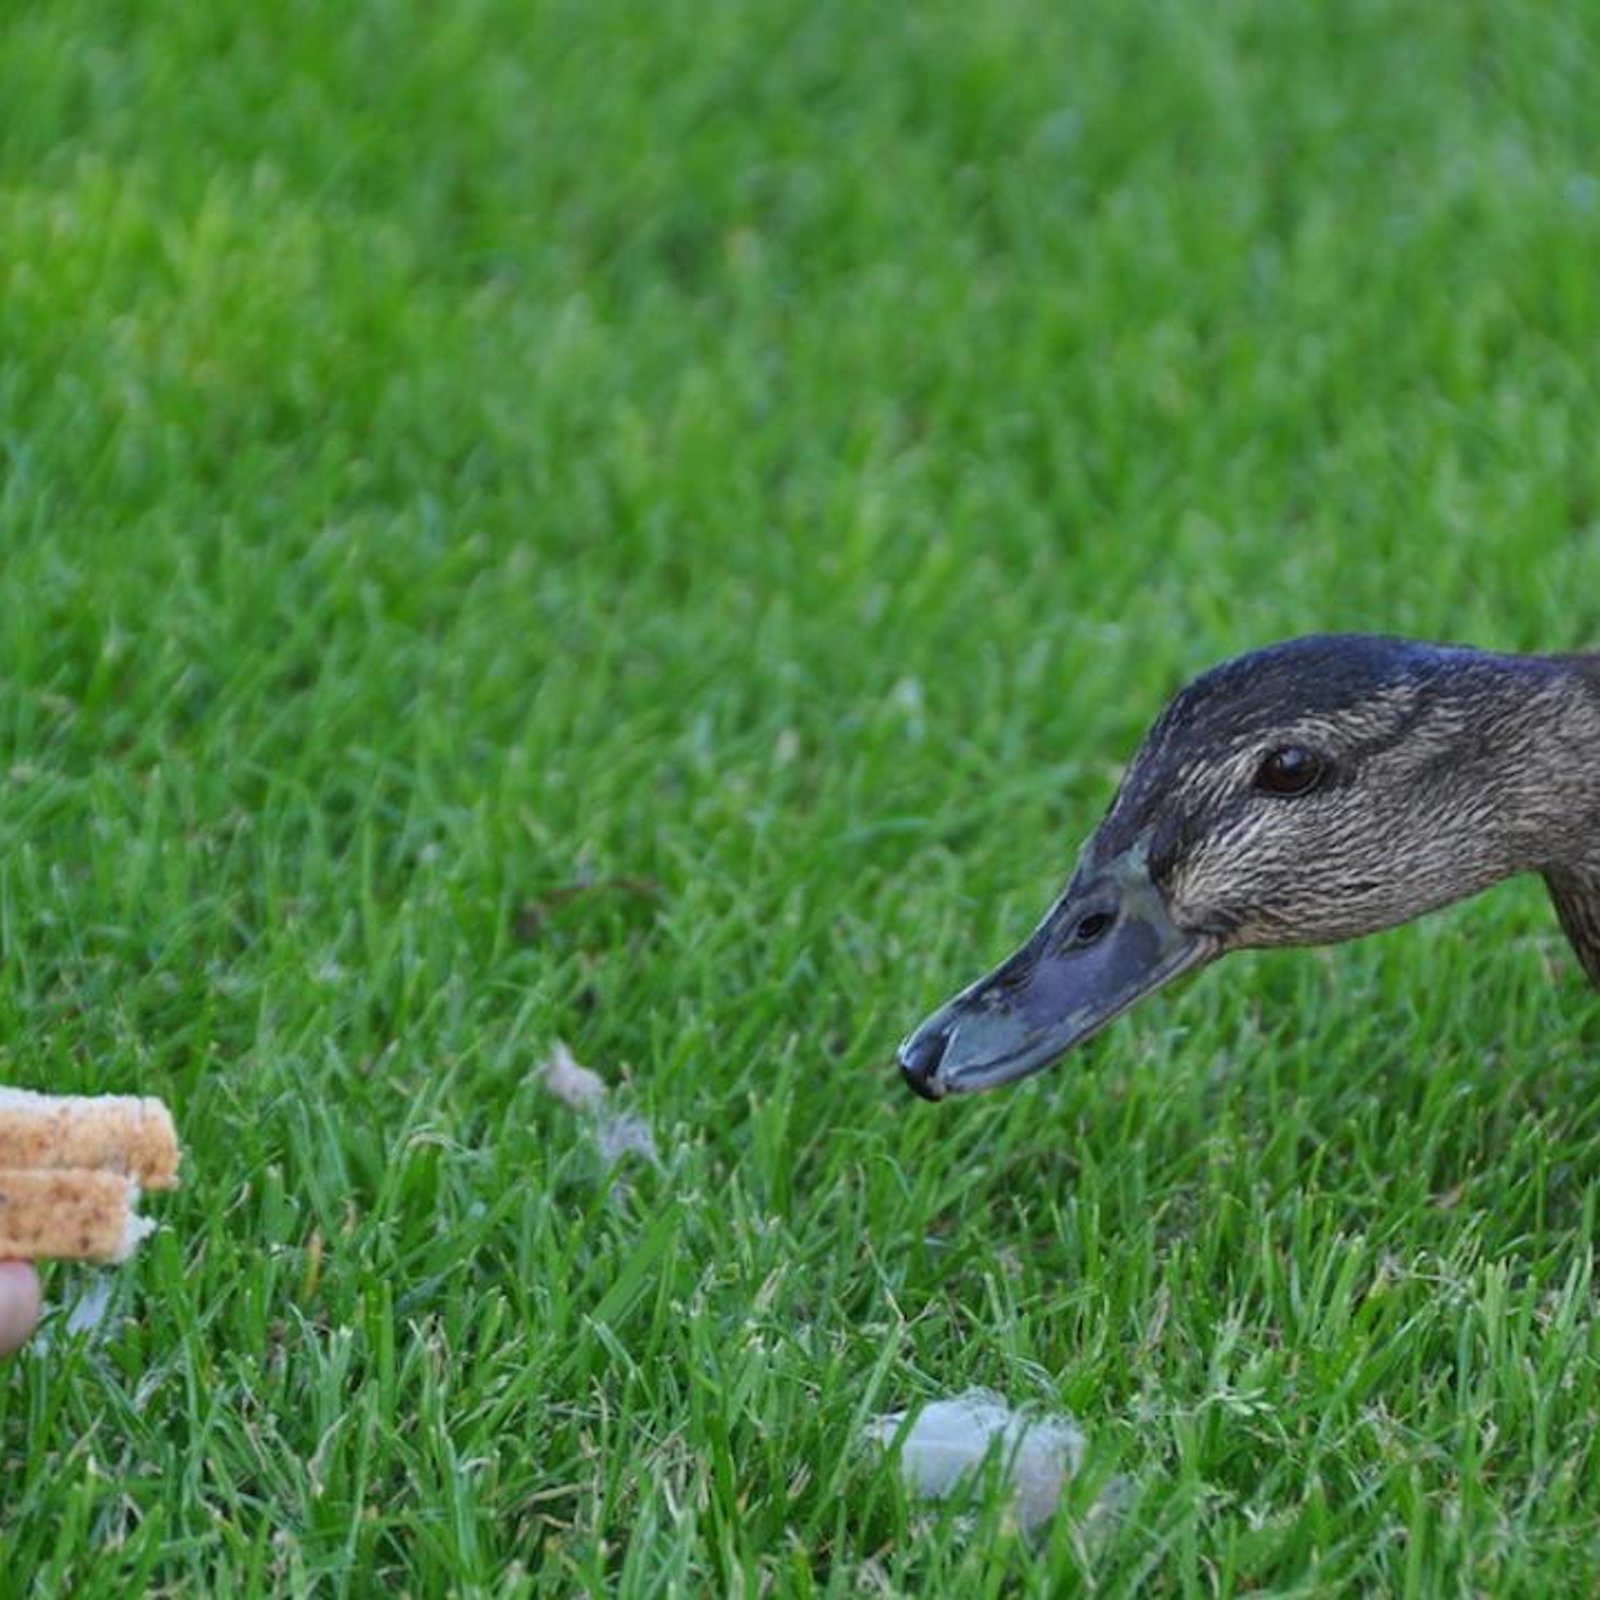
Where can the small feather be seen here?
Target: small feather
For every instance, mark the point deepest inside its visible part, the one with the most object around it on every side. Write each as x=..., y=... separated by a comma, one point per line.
x=948, y=1440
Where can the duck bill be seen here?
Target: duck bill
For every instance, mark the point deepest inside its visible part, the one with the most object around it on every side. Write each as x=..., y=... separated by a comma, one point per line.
x=1060, y=987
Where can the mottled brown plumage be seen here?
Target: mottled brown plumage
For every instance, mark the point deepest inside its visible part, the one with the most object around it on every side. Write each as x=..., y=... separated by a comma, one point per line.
x=1305, y=793
x=1447, y=770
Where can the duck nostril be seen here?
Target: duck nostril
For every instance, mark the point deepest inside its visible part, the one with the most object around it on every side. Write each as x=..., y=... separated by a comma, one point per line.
x=920, y=1058
x=1092, y=928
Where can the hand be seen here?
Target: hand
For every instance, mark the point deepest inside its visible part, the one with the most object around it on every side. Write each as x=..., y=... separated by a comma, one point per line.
x=19, y=1304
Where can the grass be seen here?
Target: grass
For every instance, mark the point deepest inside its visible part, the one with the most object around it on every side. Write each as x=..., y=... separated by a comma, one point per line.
x=779, y=457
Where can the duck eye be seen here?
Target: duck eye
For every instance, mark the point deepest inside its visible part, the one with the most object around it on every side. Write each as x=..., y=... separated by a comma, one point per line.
x=1291, y=770
x=1092, y=928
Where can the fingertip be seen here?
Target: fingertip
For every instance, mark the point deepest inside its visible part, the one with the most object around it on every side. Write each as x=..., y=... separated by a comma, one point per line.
x=20, y=1301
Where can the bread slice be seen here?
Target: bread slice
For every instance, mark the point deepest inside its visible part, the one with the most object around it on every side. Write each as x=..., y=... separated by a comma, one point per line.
x=131, y=1134
x=71, y=1168
x=69, y=1214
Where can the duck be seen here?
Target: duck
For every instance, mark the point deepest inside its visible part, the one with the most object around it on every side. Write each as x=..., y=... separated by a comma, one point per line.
x=1305, y=793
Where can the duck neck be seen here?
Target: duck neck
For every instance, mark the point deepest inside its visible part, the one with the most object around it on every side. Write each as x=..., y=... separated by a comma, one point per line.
x=1567, y=769
x=1570, y=771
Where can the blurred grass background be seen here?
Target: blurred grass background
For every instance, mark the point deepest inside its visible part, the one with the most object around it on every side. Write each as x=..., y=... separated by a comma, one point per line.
x=768, y=464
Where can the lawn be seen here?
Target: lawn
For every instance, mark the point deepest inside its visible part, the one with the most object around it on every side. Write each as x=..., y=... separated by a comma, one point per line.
x=657, y=526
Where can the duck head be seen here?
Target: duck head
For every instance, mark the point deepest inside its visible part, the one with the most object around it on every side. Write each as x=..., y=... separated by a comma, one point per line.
x=1302, y=794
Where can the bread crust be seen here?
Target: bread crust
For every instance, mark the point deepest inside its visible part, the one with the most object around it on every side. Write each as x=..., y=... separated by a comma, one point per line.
x=68, y=1214
x=130, y=1134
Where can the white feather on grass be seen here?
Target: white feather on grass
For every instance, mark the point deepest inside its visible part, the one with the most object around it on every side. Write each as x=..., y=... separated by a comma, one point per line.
x=943, y=1445
x=616, y=1133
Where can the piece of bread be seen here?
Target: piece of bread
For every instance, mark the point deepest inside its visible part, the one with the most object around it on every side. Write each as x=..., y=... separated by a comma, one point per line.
x=71, y=1168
